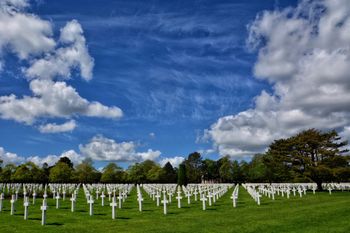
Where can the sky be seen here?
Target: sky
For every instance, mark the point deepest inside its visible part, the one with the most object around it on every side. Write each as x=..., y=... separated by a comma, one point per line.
x=126, y=81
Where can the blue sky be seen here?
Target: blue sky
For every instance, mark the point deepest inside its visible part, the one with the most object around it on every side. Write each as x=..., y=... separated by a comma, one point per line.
x=174, y=68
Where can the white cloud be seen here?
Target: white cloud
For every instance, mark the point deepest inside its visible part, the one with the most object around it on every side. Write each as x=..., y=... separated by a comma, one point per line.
x=149, y=154
x=22, y=33
x=304, y=53
x=55, y=128
x=105, y=149
x=73, y=156
x=8, y=157
x=30, y=38
x=64, y=59
x=52, y=159
x=175, y=161
x=52, y=99
x=39, y=161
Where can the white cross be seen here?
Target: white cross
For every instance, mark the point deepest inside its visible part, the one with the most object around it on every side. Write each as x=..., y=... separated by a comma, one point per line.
x=178, y=199
x=209, y=198
x=73, y=203
x=26, y=204
x=330, y=190
x=103, y=199
x=57, y=201
x=203, y=199
x=113, y=204
x=120, y=198
x=43, y=212
x=13, y=200
x=195, y=194
x=91, y=204
x=188, y=195
x=165, y=202
x=234, y=197
x=34, y=195
x=140, y=199
x=1, y=199
x=157, y=196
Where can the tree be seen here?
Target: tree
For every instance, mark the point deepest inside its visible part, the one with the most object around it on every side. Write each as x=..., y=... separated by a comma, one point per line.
x=237, y=176
x=181, y=177
x=112, y=173
x=154, y=174
x=86, y=173
x=194, y=167
x=226, y=169
x=210, y=170
x=168, y=174
x=67, y=161
x=60, y=173
x=7, y=172
x=257, y=169
x=28, y=173
x=311, y=154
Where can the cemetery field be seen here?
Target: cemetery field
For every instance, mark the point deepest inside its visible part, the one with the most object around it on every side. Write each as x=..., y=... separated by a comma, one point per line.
x=311, y=213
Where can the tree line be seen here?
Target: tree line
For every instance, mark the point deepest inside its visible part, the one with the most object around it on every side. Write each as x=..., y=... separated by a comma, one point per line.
x=310, y=156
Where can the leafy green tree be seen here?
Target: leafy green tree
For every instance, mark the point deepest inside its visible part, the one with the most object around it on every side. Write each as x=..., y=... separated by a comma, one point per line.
x=194, y=167
x=60, y=173
x=86, y=173
x=21, y=175
x=311, y=154
x=168, y=174
x=226, y=169
x=154, y=174
x=7, y=172
x=28, y=172
x=210, y=170
x=136, y=174
x=257, y=169
x=181, y=177
x=237, y=176
x=67, y=161
x=112, y=173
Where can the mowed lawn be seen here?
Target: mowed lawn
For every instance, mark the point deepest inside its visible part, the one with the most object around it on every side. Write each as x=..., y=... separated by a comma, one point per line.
x=312, y=213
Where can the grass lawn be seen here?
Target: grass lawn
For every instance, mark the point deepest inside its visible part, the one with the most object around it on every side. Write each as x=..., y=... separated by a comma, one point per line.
x=312, y=213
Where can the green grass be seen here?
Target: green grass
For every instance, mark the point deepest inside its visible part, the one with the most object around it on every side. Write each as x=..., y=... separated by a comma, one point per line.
x=312, y=213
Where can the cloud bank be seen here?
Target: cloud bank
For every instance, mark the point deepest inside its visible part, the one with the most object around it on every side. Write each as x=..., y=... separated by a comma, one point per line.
x=304, y=53
x=50, y=62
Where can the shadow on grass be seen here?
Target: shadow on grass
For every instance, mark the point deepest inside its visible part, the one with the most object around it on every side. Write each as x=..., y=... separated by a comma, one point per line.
x=55, y=224
x=125, y=218
x=34, y=219
x=81, y=211
x=147, y=210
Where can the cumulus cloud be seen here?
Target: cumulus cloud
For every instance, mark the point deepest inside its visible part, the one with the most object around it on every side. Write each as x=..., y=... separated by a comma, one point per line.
x=8, y=157
x=175, y=161
x=52, y=99
x=61, y=62
x=22, y=33
x=304, y=53
x=30, y=38
x=105, y=149
x=56, y=128
x=52, y=159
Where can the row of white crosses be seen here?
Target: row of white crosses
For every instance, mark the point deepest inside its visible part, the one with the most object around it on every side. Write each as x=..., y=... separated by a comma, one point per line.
x=234, y=196
x=252, y=192
x=163, y=193
x=205, y=192
x=100, y=190
x=15, y=189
